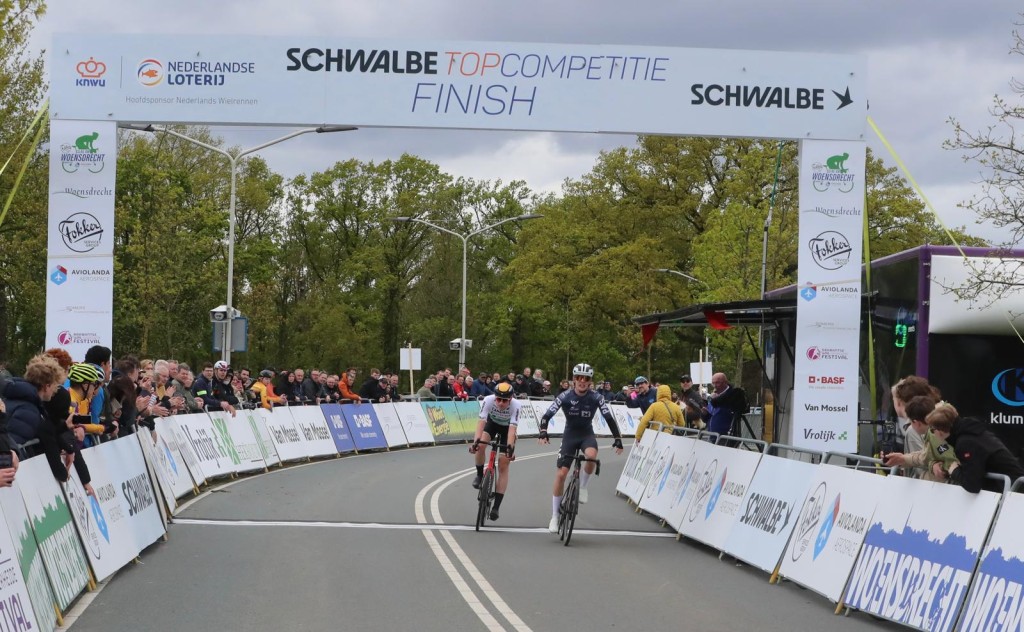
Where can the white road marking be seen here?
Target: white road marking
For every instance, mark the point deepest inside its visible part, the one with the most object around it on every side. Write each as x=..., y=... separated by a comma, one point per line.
x=326, y=524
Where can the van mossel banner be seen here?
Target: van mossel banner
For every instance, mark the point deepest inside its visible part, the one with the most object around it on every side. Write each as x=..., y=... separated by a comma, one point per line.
x=288, y=441
x=830, y=528
x=412, y=82
x=59, y=542
x=390, y=424
x=917, y=572
x=25, y=597
x=365, y=427
x=996, y=601
x=339, y=429
x=310, y=422
x=769, y=511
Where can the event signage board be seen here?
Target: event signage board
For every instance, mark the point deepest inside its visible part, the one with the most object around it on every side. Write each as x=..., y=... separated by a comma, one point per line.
x=339, y=429
x=719, y=508
x=259, y=430
x=690, y=499
x=236, y=436
x=288, y=441
x=917, y=572
x=310, y=423
x=213, y=453
x=826, y=368
x=640, y=465
x=37, y=609
x=627, y=422
x=59, y=544
x=556, y=425
x=390, y=424
x=831, y=526
x=158, y=469
x=228, y=79
x=445, y=422
x=167, y=429
x=364, y=426
x=996, y=601
x=414, y=423
x=671, y=475
x=635, y=458
x=769, y=511
x=80, y=235
x=529, y=421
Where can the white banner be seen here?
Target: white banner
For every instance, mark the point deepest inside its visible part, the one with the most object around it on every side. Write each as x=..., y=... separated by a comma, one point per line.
x=169, y=432
x=390, y=425
x=259, y=430
x=826, y=382
x=671, y=474
x=927, y=561
x=80, y=235
x=719, y=497
x=414, y=423
x=287, y=439
x=646, y=465
x=556, y=425
x=123, y=518
x=627, y=421
x=36, y=611
x=635, y=460
x=769, y=511
x=529, y=421
x=831, y=527
x=213, y=455
x=311, y=424
x=58, y=540
x=157, y=472
x=996, y=603
x=236, y=436
x=473, y=85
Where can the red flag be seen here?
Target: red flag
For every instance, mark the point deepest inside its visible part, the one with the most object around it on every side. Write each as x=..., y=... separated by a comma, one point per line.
x=648, y=331
x=716, y=319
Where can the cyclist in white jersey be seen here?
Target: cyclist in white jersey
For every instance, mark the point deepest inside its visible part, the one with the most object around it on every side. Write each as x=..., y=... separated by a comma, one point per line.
x=499, y=416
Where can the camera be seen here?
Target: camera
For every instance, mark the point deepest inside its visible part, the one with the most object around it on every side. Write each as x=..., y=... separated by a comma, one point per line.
x=219, y=314
x=456, y=344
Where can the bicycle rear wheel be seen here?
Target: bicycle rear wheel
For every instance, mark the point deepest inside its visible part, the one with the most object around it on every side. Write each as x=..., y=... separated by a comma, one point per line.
x=484, y=497
x=573, y=509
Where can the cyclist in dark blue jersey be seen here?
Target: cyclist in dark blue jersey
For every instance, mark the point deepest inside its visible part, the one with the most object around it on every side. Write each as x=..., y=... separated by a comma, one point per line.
x=579, y=404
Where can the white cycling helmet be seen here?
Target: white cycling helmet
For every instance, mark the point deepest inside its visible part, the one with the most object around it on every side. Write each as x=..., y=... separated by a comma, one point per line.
x=583, y=369
x=220, y=364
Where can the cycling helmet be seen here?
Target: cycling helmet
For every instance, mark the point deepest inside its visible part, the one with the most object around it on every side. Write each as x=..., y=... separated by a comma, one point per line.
x=220, y=364
x=83, y=373
x=583, y=369
x=266, y=373
x=503, y=391
x=639, y=380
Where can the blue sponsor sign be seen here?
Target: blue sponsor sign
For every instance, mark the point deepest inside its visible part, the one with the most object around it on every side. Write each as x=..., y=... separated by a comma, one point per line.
x=339, y=429
x=364, y=426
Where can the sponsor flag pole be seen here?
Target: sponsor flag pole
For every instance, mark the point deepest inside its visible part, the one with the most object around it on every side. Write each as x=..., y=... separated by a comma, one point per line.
x=24, y=166
x=24, y=136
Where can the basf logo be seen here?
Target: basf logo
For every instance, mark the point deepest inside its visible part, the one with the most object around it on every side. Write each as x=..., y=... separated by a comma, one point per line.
x=151, y=72
x=826, y=382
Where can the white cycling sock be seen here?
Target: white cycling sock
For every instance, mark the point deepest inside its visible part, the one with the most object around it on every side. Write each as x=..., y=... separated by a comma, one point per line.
x=584, y=477
x=556, y=501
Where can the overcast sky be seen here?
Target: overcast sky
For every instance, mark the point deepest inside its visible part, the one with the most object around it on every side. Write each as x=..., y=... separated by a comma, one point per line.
x=926, y=61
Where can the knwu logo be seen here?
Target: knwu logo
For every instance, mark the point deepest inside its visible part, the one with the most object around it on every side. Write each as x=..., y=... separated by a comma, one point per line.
x=830, y=250
x=91, y=73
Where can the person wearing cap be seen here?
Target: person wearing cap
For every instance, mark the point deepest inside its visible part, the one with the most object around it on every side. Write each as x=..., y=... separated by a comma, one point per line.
x=605, y=390
x=264, y=388
x=83, y=382
x=519, y=385
x=643, y=397
x=212, y=389
x=692, y=402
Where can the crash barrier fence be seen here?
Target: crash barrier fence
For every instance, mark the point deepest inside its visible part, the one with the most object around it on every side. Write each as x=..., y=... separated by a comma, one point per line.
x=65, y=541
x=923, y=554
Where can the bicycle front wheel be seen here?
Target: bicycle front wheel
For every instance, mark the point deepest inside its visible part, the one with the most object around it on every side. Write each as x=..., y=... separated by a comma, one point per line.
x=573, y=509
x=484, y=497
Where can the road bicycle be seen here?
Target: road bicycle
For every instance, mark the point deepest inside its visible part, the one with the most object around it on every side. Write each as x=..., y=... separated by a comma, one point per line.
x=485, y=496
x=571, y=497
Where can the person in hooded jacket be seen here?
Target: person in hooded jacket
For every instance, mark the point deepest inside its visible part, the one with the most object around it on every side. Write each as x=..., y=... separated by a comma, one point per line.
x=664, y=411
x=978, y=451
x=27, y=419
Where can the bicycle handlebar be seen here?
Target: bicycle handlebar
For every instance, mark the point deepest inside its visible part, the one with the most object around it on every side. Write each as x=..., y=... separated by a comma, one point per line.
x=582, y=458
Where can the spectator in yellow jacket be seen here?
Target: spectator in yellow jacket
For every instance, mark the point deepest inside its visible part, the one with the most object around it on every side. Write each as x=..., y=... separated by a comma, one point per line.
x=663, y=410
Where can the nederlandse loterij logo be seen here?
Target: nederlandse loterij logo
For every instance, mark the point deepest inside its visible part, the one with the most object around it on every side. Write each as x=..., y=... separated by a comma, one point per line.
x=59, y=275
x=150, y=72
x=832, y=173
x=82, y=153
x=90, y=73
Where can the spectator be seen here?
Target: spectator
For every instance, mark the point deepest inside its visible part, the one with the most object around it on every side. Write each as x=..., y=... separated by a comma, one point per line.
x=426, y=392
x=193, y=404
x=393, y=388
x=527, y=375
x=495, y=380
x=623, y=395
x=536, y=385
x=214, y=387
x=664, y=411
x=643, y=396
x=172, y=369
x=920, y=464
x=444, y=389
x=264, y=389
x=331, y=391
x=246, y=376
x=978, y=451
x=520, y=386
x=305, y=388
x=546, y=389
x=902, y=392
x=725, y=404
x=345, y=387
x=563, y=386
x=479, y=390
x=606, y=391
x=692, y=403
x=460, y=388
x=99, y=409
x=83, y=382
x=370, y=390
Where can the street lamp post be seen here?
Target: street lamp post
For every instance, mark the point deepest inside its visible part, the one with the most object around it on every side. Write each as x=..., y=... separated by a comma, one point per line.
x=233, y=160
x=465, y=253
x=677, y=273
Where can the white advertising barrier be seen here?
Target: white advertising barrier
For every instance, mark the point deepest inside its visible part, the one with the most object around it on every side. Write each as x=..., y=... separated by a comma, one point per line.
x=634, y=461
x=917, y=573
x=122, y=518
x=529, y=421
x=235, y=435
x=831, y=526
x=390, y=425
x=287, y=439
x=641, y=467
x=414, y=423
x=703, y=466
x=58, y=540
x=259, y=430
x=36, y=612
x=996, y=601
x=157, y=470
x=718, y=500
x=671, y=474
x=627, y=423
x=769, y=511
x=557, y=423
x=167, y=430
x=213, y=455
x=312, y=425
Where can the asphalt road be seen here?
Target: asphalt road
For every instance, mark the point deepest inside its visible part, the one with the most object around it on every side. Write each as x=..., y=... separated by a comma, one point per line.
x=385, y=542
